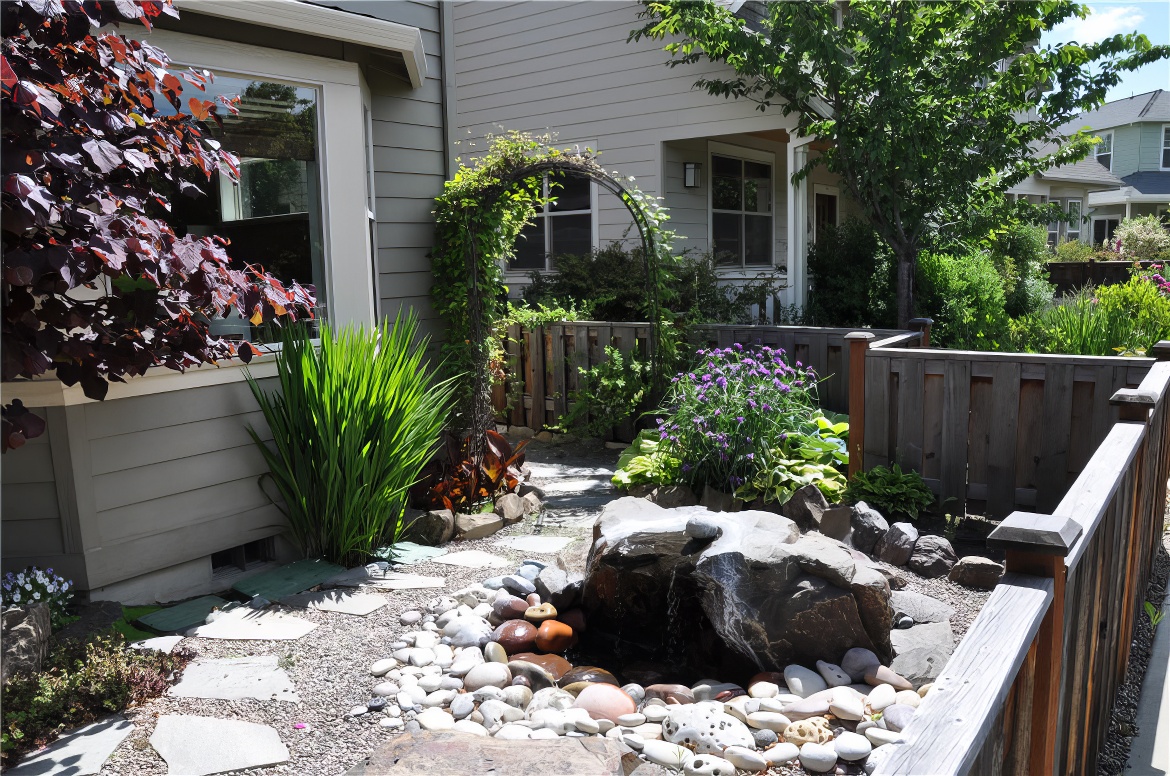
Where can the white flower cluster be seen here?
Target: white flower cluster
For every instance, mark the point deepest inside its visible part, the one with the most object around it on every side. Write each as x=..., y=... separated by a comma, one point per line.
x=35, y=585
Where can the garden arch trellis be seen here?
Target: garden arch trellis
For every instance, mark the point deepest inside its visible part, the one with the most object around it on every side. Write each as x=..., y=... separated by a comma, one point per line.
x=521, y=174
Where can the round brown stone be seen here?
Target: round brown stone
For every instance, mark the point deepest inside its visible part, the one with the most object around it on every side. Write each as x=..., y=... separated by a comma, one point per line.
x=575, y=688
x=515, y=636
x=554, y=636
x=590, y=674
x=671, y=693
x=554, y=664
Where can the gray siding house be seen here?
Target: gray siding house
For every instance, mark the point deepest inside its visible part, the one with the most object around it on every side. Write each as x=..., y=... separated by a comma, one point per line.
x=152, y=494
x=721, y=166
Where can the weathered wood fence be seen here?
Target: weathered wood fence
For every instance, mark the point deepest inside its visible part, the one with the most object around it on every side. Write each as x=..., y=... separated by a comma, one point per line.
x=1030, y=688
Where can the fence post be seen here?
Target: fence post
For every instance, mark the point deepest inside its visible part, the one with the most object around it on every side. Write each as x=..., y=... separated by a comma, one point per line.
x=1161, y=350
x=1038, y=544
x=923, y=325
x=858, y=346
x=1134, y=404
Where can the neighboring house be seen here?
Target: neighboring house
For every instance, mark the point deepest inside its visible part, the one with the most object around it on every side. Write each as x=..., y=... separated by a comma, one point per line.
x=721, y=166
x=152, y=494
x=1128, y=173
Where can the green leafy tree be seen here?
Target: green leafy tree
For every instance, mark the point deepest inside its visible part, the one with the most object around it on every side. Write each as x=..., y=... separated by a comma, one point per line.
x=928, y=109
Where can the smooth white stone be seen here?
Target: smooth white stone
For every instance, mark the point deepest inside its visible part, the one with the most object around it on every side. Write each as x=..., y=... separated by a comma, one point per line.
x=655, y=713
x=846, y=705
x=633, y=740
x=802, y=681
x=587, y=725
x=439, y=698
x=435, y=719
x=832, y=674
x=786, y=698
x=421, y=657
x=852, y=747
x=764, y=690
x=386, y=689
x=782, y=752
x=908, y=697
x=514, y=732
x=880, y=737
x=551, y=719
x=667, y=754
x=391, y=722
x=444, y=655
x=405, y=701
x=818, y=758
x=430, y=683
x=410, y=618
x=407, y=680
x=773, y=704
x=462, y=705
x=745, y=759
x=467, y=726
x=709, y=765
x=383, y=667
x=357, y=711
x=544, y=733
x=632, y=720
x=606, y=725
x=768, y=720
x=426, y=640
x=881, y=696
x=451, y=683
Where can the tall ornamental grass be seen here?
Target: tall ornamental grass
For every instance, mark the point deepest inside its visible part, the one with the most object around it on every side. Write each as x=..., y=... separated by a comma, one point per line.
x=353, y=422
x=1105, y=321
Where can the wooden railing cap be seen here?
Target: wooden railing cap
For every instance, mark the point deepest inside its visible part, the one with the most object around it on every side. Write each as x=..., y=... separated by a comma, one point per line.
x=860, y=335
x=1131, y=396
x=1036, y=533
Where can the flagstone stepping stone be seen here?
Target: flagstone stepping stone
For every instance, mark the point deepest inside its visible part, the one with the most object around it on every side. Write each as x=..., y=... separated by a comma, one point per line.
x=408, y=553
x=78, y=753
x=359, y=604
x=233, y=678
x=159, y=643
x=182, y=616
x=286, y=580
x=544, y=545
x=383, y=580
x=200, y=746
x=474, y=559
x=246, y=624
x=432, y=752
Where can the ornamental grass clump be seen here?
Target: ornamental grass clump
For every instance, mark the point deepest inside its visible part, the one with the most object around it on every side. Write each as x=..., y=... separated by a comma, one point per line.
x=354, y=421
x=728, y=413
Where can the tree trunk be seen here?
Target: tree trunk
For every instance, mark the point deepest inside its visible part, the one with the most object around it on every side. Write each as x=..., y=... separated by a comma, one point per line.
x=906, y=255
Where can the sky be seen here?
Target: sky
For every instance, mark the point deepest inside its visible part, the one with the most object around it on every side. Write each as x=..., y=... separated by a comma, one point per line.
x=1110, y=18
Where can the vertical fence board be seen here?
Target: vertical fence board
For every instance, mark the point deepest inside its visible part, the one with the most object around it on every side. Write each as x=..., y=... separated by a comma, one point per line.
x=979, y=436
x=1052, y=470
x=908, y=450
x=1001, y=449
x=1030, y=433
x=955, y=431
x=559, y=364
x=536, y=378
x=932, y=425
x=877, y=402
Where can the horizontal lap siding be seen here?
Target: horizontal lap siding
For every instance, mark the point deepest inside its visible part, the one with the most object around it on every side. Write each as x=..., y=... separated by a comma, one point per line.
x=32, y=520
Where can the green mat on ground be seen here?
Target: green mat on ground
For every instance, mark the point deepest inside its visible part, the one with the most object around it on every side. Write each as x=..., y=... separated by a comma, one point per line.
x=129, y=615
x=182, y=616
x=407, y=553
x=288, y=580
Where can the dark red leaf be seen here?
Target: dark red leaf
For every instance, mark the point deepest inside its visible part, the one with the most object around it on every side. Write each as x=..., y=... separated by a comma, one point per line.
x=7, y=77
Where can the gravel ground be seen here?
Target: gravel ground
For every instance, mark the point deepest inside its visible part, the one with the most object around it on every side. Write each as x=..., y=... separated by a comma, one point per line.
x=964, y=600
x=329, y=667
x=1123, y=725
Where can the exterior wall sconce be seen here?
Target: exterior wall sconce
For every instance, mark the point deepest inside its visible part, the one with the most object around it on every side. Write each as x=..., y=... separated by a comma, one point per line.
x=692, y=175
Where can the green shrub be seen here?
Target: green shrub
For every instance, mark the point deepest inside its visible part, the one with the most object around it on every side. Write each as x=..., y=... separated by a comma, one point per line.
x=1104, y=321
x=697, y=294
x=353, y=423
x=1074, y=250
x=852, y=275
x=1020, y=254
x=610, y=393
x=1143, y=237
x=80, y=682
x=891, y=491
x=965, y=297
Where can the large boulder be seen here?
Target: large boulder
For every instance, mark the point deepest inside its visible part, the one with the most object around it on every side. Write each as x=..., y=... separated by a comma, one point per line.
x=434, y=527
x=867, y=526
x=805, y=508
x=932, y=557
x=750, y=586
x=25, y=639
x=897, y=544
x=974, y=571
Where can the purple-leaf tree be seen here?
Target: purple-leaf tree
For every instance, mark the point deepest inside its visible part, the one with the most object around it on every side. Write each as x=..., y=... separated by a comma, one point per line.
x=96, y=285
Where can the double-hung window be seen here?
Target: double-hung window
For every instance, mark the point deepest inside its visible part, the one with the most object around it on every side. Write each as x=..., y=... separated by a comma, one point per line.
x=741, y=211
x=1105, y=150
x=1054, y=228
x=564, y=228
x=1073, y=230
x=1166, y=146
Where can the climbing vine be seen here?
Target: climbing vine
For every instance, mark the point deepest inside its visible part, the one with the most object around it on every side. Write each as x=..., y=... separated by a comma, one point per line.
x=479, y=217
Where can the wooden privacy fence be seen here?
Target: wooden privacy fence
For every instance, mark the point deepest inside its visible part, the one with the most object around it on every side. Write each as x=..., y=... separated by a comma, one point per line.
x=1030, y=688
x=989, y=432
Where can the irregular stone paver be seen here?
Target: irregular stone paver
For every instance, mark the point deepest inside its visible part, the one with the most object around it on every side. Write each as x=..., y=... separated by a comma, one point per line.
x=383, y=580
x=199, y=746
x=244, y=624
x=408, y=553
x=427, y=753
x=289, y=579
x=553, y=471
x=233, y=678
x=78, y=753
x=474, y=559
x=545, y=545
x=159, y=643
x=182, y=616
x=359, y=604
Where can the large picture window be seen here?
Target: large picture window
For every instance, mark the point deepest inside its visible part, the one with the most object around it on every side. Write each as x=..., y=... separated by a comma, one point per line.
x=565, y=228
x=741, y=211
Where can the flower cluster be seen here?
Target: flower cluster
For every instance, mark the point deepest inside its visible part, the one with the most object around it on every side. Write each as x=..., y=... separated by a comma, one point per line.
x=728, y=412
x=1154, y=275
x=34, y=586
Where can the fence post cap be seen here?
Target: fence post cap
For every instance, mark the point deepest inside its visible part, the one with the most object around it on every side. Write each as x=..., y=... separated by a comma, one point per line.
x=1036, y=533
x=1161, y=350
x=1133, y=396
x=921, y=321
x=860, y=335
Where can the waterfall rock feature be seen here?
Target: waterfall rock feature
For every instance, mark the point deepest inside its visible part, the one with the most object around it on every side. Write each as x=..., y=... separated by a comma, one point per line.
x=758, y=589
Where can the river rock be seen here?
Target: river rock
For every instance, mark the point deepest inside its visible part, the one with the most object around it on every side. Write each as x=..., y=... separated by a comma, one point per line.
x=816, y=758
x=880, y=697
x=866, y=526
x=876, y=675
x=477, y=526
x=803, y=682
x=465, y=660
x=432, y=528
x=670, y=693
x=781, y=753
x=383, y=667
x=745, y=759
x=974, y=571
x=468, y=631
x=556, y=665
x=666, y=754
x=410, y=617
x=468, y=726
x=588, y=674
x=558, y=587
x=768, y=720
x=515, y=636
x=604, y=701
x=706, y=727
x=494, y=653
x=509, y=607
x=805, y=508
x=538, y=678
x=708, y=765
x=897, y=544
x=897, y=716
x=932, y=557
x=487, y=675
x=815, y=730
x=880, y=736
x=847, y=704
x=832, y=674
x=462, y=705
x=518, y=585
x=852, y=747
x=857, y=661
x=435, y=719
x=513, y=732
x=554, y=636
x=510, y=508
x=922, y=651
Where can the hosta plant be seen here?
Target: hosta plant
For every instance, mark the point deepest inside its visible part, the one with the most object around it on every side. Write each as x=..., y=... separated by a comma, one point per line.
x=354, y=421
x=814, y=454
x=98, y=136
x=38, y=586
x=891, y=491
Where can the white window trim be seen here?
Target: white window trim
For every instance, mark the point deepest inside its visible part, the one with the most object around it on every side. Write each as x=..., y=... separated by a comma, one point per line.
x=323, y=22
x=349, y=264
x=519, y=277
x=715, y=148
x=822, y=188
x=1097, y=151
x=1164, y=146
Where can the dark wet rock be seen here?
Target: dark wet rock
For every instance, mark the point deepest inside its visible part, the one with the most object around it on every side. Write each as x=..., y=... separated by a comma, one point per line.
x=932, y=557
x=897, y=544
x=867, y=526
x=805, y=508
